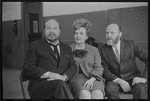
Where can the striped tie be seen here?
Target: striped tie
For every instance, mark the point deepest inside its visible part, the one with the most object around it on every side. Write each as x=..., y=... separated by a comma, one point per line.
x=117, y=53
x=55, y=50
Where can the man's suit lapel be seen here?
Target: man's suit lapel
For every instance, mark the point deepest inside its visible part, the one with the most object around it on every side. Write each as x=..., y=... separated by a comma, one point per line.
x=48, y=48
x=123, y=49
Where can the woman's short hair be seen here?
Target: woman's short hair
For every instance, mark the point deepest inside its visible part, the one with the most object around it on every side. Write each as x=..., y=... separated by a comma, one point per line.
x=82, y=23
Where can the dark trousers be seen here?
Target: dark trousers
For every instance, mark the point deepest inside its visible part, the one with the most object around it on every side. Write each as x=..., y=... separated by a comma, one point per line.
x=56, y=89
x=112, y=90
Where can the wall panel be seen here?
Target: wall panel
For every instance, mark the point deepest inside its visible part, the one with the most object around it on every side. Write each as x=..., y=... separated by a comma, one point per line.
x=99, y=21
x=134, y=23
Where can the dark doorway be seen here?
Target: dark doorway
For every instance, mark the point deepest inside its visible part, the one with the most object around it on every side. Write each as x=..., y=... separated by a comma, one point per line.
x=33, y=20
x=33, y=33
x=32, y=15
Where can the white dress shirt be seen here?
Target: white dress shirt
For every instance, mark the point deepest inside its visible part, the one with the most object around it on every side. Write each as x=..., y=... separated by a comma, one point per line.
x=117, y=46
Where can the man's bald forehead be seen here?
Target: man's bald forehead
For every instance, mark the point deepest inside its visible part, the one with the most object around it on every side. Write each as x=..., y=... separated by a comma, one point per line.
x=114, y=26
x=52, y=21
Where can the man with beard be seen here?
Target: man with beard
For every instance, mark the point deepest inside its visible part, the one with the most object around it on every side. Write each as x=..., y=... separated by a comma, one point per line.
x=49, y=65
x=120, y=70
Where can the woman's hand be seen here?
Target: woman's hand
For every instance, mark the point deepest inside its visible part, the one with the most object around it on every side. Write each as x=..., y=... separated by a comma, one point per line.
x=89, y=83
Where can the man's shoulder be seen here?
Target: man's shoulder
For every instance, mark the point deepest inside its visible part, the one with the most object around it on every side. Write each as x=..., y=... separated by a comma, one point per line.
x=34, y=43
x=105, y=46
x=127, y=40
x=64, y=45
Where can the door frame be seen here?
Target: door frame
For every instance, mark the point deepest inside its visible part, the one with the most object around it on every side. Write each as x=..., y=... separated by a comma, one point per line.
x=24, y=22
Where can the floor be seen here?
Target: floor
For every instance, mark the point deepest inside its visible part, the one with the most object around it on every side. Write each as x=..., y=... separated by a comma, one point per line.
x=11, y=84
x=12, y=87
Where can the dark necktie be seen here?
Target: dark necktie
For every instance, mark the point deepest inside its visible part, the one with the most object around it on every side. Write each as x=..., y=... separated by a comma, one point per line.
x=55, y=51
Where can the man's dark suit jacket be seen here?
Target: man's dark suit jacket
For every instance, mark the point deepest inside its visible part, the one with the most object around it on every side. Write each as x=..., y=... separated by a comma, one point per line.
x=40, y=59
x=127, y=68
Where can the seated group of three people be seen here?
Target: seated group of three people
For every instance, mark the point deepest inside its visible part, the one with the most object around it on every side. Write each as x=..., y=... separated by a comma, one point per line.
x=81, y=71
